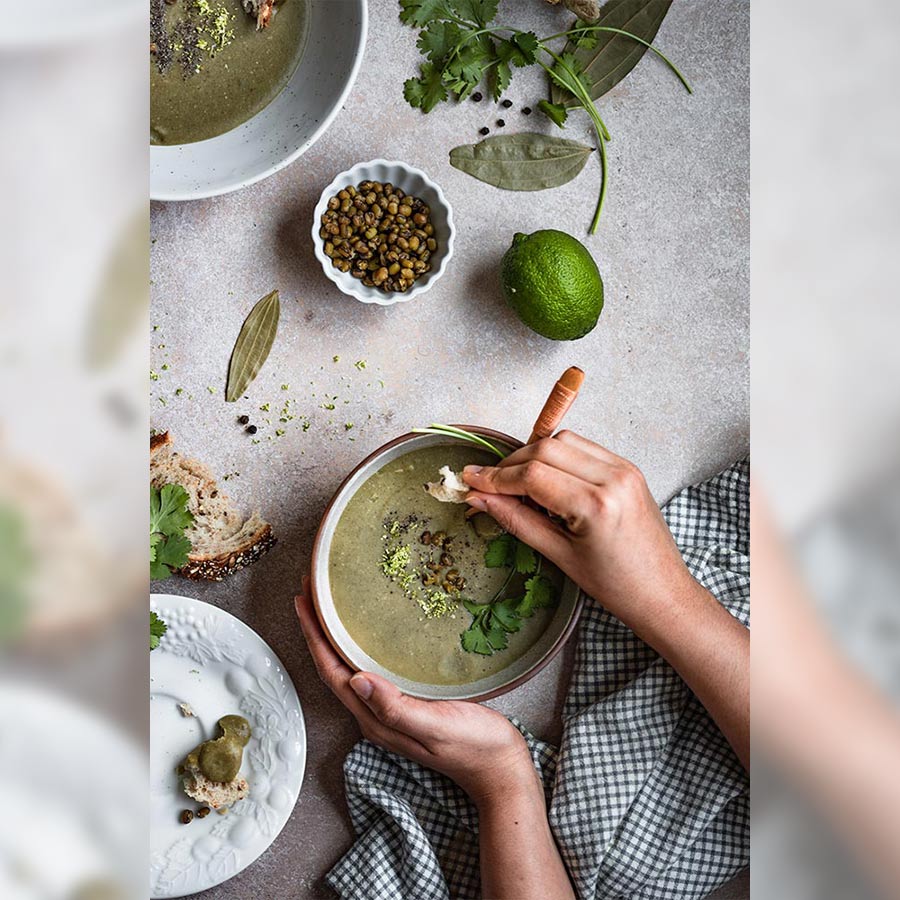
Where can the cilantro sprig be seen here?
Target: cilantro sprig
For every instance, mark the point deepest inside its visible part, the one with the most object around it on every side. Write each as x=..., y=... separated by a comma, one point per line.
x=157, y=629
x=169, y=518
x=462, y=47
x=493, y=622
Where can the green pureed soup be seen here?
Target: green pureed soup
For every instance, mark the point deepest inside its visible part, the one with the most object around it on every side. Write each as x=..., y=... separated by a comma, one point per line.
x=212, y=70
x=392, y=573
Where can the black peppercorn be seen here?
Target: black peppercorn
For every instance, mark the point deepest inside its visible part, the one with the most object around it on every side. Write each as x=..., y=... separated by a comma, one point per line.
x=251, y=429
x=526, y=110
x=243, y=420
x=500, y=123
x=484, y=130
x=506, y=104
x=477, y=96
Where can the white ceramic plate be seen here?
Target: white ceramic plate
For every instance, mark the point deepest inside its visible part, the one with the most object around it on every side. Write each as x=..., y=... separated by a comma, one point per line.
x=412, y=181
x=218, y=665
x=287, y=127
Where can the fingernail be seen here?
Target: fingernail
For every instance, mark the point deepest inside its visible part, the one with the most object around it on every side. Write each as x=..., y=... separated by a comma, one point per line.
x=477, y=502
x=362, y=687
x=472, y=470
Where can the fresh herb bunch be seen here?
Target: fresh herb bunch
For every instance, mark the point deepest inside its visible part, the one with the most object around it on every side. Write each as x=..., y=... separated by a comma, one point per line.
x=493, y=622
x=157, y=629
x=463, y=46
x=169, y=518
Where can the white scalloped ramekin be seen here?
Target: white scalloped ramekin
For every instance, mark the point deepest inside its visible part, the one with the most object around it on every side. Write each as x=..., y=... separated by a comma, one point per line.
x=411, y=181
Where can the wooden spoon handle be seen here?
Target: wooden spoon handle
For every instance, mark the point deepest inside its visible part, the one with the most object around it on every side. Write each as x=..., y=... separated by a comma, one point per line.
x=558, y=403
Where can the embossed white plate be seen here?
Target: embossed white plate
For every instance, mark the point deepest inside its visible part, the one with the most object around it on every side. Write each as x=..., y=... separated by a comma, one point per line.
x=218, y=665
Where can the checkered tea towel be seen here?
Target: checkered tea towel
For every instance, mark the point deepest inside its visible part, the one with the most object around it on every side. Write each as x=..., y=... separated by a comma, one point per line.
x=646, y=798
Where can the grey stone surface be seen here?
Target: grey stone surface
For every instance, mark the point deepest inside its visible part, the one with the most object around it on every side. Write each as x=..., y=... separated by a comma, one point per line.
x=667, y=367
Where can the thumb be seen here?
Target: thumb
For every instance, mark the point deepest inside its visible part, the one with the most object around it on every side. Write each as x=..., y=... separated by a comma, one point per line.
x=417, y=718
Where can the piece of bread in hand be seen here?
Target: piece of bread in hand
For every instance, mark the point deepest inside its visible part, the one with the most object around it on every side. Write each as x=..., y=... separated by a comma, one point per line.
x=222, y=540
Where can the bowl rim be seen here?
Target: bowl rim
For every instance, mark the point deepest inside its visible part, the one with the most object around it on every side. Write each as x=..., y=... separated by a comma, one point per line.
x=377, y=298
x=296, y=153
x=555, y=647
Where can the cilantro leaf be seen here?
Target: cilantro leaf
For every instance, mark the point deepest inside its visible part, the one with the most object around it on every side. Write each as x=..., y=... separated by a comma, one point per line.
x=157, y=629
x=420, y=12
x=538, y=594
x=169, y=517
x=426, y=91
x=569, y=73
x=474, y=640
x=168, y=510
x=500, y=552
x=501, y=76
x=505, y=614
x=526, y=559
x=171, y=554
x=480, y=11
x=438, y=39
x=583, y=38
x=495, y=634
x=520, y=50
x=556, y=112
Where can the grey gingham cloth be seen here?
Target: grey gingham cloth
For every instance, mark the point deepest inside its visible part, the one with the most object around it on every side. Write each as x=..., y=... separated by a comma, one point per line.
x=646, y=798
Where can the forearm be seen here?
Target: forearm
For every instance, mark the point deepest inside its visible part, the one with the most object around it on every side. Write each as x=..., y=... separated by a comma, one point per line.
x=710, y=650
x=519, y=857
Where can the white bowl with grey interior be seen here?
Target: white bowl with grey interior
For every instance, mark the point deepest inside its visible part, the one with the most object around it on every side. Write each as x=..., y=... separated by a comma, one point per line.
x=286, y=128
x=413, y=182
x=559, y=630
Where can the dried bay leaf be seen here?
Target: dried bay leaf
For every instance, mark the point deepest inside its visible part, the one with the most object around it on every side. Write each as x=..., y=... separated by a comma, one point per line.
x=252, y=346
x=522, y=162
x=615, y=55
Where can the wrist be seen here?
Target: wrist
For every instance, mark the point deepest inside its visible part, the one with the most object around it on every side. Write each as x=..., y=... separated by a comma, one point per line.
x=675, y=617
x=508, y=785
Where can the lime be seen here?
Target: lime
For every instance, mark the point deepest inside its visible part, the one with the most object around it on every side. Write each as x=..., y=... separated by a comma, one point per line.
x=553, y=284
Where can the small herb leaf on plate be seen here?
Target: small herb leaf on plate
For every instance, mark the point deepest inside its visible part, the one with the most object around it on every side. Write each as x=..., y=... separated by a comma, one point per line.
x=610, y=57
x=522, y=162
x=157, y=629
x=253, y=345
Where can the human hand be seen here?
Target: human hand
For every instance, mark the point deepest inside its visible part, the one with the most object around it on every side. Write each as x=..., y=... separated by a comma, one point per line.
x=614, y=541
x=475, y=746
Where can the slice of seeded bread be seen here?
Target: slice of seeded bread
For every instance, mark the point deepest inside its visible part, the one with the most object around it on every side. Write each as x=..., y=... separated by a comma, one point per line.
x=222, y=540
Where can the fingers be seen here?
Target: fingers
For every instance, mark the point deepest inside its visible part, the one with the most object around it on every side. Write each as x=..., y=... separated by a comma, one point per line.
x=570, y=439
x=328, y=664
x=564, y=456
x=562, y=493
x=419, y=719
x=337, y=676
x=533, y=527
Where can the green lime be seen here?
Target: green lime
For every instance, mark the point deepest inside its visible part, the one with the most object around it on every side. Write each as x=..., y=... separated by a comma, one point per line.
x=553, y=284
